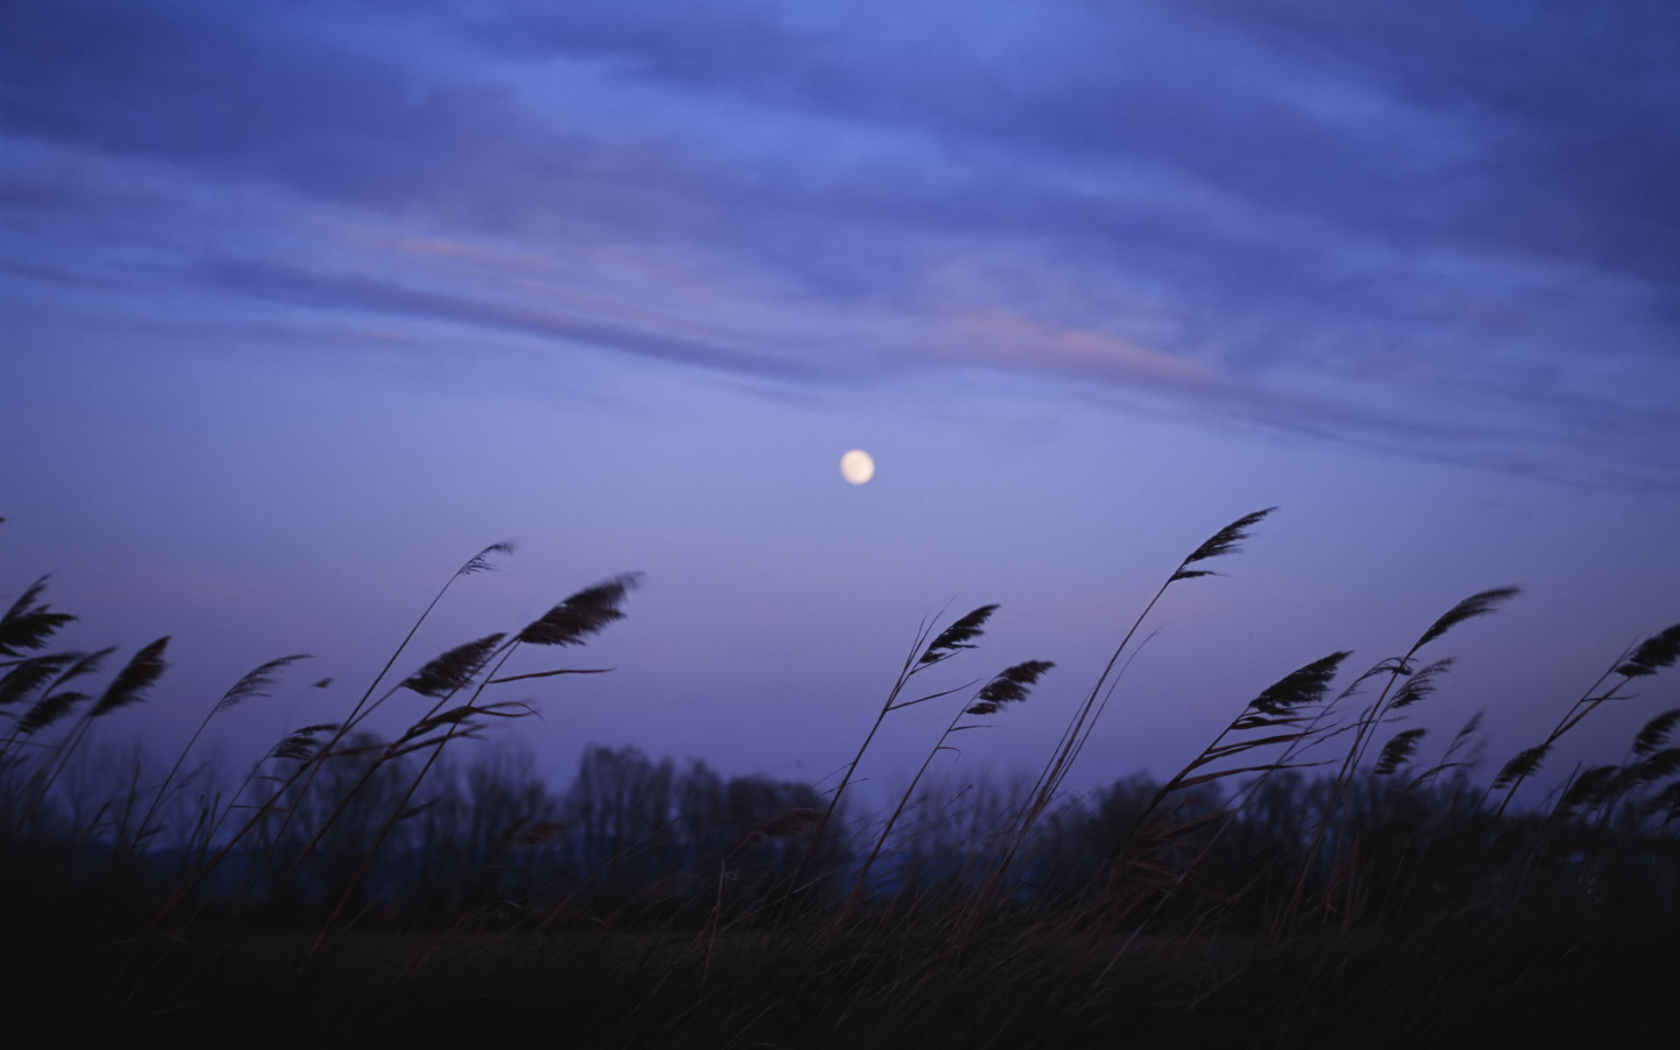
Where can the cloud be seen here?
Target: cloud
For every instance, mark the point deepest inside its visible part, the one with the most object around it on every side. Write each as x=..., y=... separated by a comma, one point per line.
x=1000, y=338
x=280, y=283
x=1370, y=222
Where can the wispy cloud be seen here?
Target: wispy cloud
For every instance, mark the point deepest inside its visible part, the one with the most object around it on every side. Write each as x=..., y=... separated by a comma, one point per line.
x=282, y=283
x=1451, y=235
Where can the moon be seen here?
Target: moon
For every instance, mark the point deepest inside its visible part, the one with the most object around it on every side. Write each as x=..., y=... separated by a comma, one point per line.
x=857, y=466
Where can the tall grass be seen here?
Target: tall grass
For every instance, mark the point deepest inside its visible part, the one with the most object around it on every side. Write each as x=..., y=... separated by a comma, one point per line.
x=1307, y=832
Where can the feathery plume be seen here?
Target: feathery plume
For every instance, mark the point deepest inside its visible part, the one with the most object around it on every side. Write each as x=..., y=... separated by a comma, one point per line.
x=481, y=562
x=1522, y=765
x=28, y=623
x=300, y=744
x=1655, y=733
x=31, y=674
x=958, y=635
x=1300, y=687
x=1010, y=686
x=587, y=612
x=1421, y=684
x=1226, y=541
x=1471, y=607
x=48, y=710
x=446, y=673
x=1398, y=751
x=258, y=681
x=133, y=680
x=1653, y=654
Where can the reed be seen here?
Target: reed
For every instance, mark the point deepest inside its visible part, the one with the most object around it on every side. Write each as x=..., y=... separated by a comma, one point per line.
x=1145, y=911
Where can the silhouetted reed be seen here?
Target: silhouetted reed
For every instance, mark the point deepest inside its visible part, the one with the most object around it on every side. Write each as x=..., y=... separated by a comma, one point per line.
x=677, y=894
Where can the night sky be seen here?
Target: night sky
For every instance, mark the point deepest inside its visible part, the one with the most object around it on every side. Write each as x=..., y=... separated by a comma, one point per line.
x=302, y=304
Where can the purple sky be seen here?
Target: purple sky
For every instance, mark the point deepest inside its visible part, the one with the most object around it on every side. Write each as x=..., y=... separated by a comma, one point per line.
x=305, y=305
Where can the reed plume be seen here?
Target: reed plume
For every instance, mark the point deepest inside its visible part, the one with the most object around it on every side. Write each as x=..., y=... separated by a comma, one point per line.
x=1009, y=686
x=1398, y=751
x=1654, y=654
x=1280, y=706
x=254, y=684
x=924, y=653
x=1226, y=541
x=131, y=683
x=29, y=622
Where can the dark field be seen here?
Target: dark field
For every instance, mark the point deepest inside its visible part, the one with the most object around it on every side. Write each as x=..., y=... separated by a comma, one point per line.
x=1312, y=878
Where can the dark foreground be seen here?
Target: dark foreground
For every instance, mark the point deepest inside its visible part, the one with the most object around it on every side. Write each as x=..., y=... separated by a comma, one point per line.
x=875, y=984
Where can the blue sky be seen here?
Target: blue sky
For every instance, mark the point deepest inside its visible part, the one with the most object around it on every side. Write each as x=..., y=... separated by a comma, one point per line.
x=306, y=303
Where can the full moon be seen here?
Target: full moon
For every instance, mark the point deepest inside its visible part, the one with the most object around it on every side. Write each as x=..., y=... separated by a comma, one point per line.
x=857, y=466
